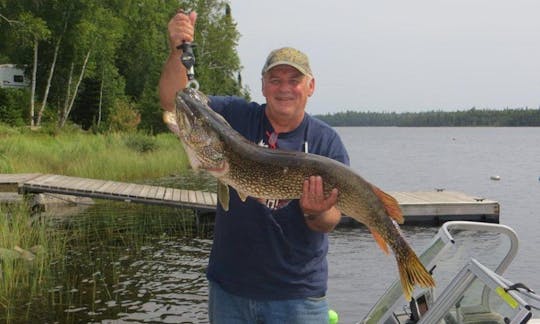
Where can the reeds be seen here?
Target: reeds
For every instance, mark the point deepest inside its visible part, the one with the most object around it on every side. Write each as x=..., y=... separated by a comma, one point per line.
x=26, y=251
x=108, y=242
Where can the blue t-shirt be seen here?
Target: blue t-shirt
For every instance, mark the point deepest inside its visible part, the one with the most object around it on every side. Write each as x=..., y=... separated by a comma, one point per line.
x=265, y=250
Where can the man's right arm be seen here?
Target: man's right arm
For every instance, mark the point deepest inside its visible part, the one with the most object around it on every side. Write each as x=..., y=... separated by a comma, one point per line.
x=173, y=76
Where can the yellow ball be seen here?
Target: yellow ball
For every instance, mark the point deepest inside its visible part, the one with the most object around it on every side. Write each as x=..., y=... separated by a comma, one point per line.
x=333, y=317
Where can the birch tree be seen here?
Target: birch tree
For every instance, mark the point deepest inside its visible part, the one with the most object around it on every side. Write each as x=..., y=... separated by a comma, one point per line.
x=31, y=30
x=99, y=32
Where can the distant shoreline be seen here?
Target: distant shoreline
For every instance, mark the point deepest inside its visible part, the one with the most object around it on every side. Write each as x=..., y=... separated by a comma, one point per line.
x=469, y=118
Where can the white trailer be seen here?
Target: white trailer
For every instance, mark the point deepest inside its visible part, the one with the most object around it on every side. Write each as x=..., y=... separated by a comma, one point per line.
x=12, y=77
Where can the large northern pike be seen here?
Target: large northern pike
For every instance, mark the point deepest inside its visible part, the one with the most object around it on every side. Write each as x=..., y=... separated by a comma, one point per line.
x=212, y=145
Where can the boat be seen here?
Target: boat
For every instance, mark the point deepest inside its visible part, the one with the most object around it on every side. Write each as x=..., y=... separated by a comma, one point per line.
x=467, y=261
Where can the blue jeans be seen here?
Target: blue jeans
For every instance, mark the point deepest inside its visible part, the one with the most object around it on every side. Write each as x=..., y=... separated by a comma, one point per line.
x=225, y=308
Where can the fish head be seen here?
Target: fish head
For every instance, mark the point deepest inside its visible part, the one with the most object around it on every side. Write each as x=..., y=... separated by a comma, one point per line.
x=202, y=143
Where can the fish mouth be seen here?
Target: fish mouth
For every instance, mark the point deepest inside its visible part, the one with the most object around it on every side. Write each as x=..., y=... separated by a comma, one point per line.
x=186, y=115
x=203, y=145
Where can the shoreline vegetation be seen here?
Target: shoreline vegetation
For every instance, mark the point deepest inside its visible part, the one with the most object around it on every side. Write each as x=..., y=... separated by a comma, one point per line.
x=108, y=156
x=523, y=117
x=29, y=244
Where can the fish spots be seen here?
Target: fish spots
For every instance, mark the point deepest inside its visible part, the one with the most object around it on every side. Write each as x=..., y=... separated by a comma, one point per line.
x=285, y=170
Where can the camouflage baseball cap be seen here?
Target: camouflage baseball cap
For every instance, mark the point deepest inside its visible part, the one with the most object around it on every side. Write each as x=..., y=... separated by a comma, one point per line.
x=288, y=56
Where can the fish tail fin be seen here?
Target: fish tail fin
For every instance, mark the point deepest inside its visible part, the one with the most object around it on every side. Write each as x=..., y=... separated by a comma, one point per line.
x=412, y=272
x=390, y=205
x=379, y=239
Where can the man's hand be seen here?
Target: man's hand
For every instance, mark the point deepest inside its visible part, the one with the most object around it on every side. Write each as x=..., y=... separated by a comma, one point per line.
x=320, y=211
x=173, y=78
x=313, y=201
x=181, y=29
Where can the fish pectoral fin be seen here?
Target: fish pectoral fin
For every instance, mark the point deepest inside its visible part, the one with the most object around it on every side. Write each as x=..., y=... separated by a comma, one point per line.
x=223, y=195
x=242, y=196
x=390, y=205
x=379, y=239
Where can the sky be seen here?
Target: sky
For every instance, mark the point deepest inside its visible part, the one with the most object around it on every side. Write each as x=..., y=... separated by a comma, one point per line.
x=400, y=55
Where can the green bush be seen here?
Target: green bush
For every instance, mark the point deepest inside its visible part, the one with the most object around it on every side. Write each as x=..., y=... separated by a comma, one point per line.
x=6, y=130
x=14, y=104
x=124, y=118
x=141, y=143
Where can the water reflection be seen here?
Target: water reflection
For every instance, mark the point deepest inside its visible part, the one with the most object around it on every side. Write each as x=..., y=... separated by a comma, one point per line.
x=132, y=263
x=136, y=263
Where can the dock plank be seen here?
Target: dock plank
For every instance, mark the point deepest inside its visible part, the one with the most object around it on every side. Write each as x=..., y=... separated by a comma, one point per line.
x=93, y=184
x=176, y=194
x=145, y=190
x=17, y=178
x=199, y=198
x=81, y=185
x=43, y=179
x=126, y=189
x=184, y=196
x=192, y=197
x=160, y=193
x=152, y=190
x=86, y=186
x=168, y=194
x=105, y=186
x=65, y=182
x=115, y=188
x=208, y=198
x=136, y=191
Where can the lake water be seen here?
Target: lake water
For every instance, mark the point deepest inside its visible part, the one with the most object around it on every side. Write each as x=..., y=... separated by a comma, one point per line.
x=460, y=159
x=162, y=279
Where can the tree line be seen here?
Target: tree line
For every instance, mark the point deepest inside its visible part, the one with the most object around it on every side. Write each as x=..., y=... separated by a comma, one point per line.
x=471, y=117
x=96, y=63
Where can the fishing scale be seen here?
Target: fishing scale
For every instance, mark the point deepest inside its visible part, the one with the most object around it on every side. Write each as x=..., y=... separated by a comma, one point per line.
x=188, y=60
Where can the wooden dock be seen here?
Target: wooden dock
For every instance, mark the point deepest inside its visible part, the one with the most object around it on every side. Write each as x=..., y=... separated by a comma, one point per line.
x=114, y=190
x=433, y=207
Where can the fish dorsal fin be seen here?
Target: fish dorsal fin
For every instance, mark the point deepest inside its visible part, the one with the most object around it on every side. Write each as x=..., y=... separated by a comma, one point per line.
x=223, y=195
x=390, y=205
x=380, y=241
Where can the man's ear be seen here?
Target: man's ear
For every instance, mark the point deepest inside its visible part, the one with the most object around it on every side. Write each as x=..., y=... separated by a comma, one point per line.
x=311, y=86
x=262, y=87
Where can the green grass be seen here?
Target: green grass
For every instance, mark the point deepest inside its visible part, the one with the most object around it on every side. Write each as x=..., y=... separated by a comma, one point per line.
x=121, y=157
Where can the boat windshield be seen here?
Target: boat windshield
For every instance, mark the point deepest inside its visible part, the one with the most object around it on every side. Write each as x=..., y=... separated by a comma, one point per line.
x=479, y=295
x=456, y=243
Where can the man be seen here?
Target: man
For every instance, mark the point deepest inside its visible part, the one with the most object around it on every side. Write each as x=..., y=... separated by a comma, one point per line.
x=268, y=260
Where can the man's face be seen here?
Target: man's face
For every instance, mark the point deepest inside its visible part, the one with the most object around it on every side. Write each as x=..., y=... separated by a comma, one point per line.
x=286, y=90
